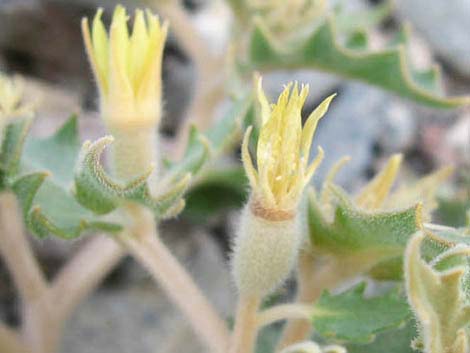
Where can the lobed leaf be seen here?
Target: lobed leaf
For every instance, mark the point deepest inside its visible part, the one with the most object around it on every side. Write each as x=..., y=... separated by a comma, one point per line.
x=351, y=317
x=48, y=206
x=357, y=237
x=322, y=50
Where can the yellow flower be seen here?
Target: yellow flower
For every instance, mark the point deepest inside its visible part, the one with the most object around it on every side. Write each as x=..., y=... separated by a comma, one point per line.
x=377, y=195
x=282, y=152
x=11, y=95
x=127, y=67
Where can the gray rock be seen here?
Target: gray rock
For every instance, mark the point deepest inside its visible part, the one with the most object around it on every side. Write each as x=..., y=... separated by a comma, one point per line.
x=359, y=118
x=138, y=317
x=445, y=25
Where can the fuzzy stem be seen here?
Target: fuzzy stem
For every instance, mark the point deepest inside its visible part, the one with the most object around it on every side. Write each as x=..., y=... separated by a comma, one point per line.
x=312, y=279
x=316, y=273
x=83, y=273
x=134, y=152
x=17, y=252
x=284, y=311
x=146, y=247
x=10, y=342
x=40, y=327
x=246, y=325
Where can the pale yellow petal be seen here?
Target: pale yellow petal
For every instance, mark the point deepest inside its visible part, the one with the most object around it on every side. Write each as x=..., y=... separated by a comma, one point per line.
x=101, y=50
x=91, y=54
x=150, y=76
x=265, y=109
x=139, y=47
x=423, y=190
x=119, y=51
x=246, y=159
x=314, y=165
x=311, y=124
x=326, y=191
x=374, y=193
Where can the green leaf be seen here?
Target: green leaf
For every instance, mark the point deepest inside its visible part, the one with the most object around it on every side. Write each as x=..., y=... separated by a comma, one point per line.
x=387, y=69
x=438, y=300
x=48, y=206
x=359, y=237
x=448, y=235
x=351, y=317
x=12, y=146
x=397, y=340
x=217, y=189
x=97, y=191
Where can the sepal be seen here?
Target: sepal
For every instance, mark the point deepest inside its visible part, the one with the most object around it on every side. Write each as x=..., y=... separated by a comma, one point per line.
x=97, y=191
x=438, y=301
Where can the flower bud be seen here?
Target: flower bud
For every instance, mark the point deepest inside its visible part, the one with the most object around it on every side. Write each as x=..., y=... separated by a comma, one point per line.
x=265, y=250
x=128, y=72
x=269, y=233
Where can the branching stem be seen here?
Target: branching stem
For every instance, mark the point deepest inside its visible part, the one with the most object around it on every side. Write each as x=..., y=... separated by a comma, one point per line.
x=146, y=247
x=246, y=325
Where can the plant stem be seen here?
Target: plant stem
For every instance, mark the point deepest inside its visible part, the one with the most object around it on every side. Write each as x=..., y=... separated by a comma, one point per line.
x=146, y=247
x=246, y=325
x=83, y=273
x=284, y=311
x=316, y=273
x=17, y=252
x=40, y=328
x=10, y=342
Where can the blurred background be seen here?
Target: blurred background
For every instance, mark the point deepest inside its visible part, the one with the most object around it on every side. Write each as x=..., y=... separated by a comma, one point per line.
x=41, y=40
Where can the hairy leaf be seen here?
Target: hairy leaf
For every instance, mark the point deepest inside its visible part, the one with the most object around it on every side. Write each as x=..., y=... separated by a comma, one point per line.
x=351, y=317
x=397, y=340
x=42, y=186
x=356, y=239
x=438, y=299
x=12, y=146
x=322, y=50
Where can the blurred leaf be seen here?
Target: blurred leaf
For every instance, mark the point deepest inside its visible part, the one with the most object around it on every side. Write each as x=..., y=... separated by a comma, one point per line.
x=322, y=51
x=351, y=317
x=218, y=189
x=347, y=21
x=13, y=140
x=453, y=212
x=397, y=340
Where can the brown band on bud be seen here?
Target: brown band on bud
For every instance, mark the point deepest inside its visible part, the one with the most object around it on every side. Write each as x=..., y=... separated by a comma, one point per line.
x=270, y=214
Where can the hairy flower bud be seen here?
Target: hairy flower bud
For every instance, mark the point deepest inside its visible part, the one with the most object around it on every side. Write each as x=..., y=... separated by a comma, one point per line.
x=128, y=72
x=264, y=251
x=270, y=233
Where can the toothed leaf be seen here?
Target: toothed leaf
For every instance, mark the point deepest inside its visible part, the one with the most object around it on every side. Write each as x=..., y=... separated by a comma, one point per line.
x=323, y=51
x=42, y=186
x=358, y=238
x=351, y=317
x=97, y=191
x=397, y=340
x=13, y=139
